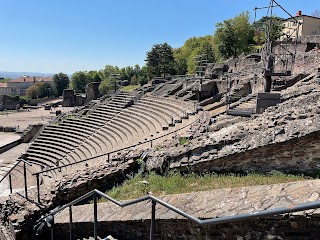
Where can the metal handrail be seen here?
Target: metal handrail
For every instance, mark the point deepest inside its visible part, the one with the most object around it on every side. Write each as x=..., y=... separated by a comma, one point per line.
x=18, y=161
x=155, y=200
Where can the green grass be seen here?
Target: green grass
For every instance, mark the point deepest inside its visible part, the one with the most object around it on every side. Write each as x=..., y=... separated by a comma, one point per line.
x=174, y=183
x=183, y=140
x=130, y=88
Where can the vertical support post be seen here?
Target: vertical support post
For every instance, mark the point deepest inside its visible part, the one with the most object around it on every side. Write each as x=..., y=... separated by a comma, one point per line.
x=108, y=157
x=10, y=183
x=153, y=220
x=38, y=187
x=25, y=179
x=95, y=216
x=52, y=228
x=151, y=143
x=70, y=224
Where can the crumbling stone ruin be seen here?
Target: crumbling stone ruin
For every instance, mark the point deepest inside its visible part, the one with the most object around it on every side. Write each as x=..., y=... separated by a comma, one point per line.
x=72, y=99
x=9, y=103
x=279, y=131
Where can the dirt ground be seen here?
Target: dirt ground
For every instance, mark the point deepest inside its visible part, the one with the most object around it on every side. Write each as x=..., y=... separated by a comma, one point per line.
x=23, y=118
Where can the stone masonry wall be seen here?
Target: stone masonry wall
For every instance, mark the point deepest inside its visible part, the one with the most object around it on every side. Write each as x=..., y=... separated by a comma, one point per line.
x=133, y=222
x=294, y=229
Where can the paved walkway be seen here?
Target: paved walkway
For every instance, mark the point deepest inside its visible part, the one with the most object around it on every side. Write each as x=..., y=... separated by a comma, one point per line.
x=208, y=204
x=24, y=118
x=8, y=137
x=7, y=160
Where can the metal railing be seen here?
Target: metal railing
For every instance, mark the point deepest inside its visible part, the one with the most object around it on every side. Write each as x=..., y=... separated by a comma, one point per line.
x=8, y=174
x=154, y=200
x=37, y=174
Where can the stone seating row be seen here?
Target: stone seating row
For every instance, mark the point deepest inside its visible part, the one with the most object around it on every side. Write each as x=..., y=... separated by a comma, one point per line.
x=106, y=128
x=61, y=142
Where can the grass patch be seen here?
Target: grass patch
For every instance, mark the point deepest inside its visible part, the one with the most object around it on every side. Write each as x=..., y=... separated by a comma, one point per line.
x=183, y=140
x=130, y=88
x=175, y=182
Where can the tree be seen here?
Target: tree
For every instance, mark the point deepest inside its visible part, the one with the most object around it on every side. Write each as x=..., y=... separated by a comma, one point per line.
x=260, y=28
x=93, y=76
x=45, y=90
x=107, y=85
x=79, y=81
x=61, y=82
x=180, y=61
x=108, y=70
x=233, y=36
x=33, y=92
x=39, y=90
x=160, y=60
x=185, y=56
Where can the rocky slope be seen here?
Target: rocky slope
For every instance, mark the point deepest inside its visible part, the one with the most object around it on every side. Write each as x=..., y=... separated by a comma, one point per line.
x=295, y=120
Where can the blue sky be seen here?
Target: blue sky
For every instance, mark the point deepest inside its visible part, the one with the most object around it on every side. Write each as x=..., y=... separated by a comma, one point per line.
x=76, y=35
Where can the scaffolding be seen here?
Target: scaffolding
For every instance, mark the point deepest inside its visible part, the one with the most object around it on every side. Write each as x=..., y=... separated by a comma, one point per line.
x=279, y=56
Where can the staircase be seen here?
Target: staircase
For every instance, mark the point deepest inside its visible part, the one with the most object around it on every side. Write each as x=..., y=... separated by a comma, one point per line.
x=244, y=108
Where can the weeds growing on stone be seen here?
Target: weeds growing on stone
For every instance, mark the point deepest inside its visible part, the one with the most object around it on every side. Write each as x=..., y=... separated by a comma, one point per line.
x=129, y=88
x=183, y=140
x=174, y=183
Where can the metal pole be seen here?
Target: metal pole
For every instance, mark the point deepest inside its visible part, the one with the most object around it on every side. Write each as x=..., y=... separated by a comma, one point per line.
x=10, y=183
x=151, y=143
x=38, y=187
x=25, y=179
x=153, y=220
x=108, y=157
x=95, y=216
x=70, y=224
x=52, y=228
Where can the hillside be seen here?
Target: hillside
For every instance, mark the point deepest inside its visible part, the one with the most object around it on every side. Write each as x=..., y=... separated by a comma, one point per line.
x=14, y=75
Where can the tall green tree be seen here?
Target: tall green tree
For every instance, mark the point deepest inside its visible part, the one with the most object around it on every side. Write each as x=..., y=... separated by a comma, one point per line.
x=45, y=90
x=79, y=81
x=160, y=60
x=93, y=76
x=33, y=92
x=233, y=36
x=61, y=82
x=272, y=24
x=185, y=56
x=40, y=90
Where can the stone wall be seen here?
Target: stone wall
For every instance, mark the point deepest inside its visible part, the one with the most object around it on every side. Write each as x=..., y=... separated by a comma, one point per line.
x=285, y=228
x=92, y=91
x=9, y=103
x=21, y=214
x=305, y=57
x=9, y=146
x=68, y=98
x=30, y=132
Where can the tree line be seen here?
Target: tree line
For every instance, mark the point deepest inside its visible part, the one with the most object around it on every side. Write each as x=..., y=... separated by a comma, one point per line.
x=231, y=38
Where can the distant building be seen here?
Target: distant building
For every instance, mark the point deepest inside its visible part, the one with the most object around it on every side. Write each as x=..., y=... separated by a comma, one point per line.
x=4, y=90
x=309, y=25
x=20, y=85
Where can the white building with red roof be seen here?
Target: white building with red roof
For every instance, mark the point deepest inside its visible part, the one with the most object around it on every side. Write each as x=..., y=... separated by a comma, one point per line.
x=20, y=85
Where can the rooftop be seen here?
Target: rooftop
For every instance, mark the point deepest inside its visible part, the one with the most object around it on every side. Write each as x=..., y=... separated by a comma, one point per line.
x=31, y=79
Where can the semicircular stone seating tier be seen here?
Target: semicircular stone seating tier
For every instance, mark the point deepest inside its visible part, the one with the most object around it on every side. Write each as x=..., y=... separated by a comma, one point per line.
x=76, y=138
x=109, y=126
